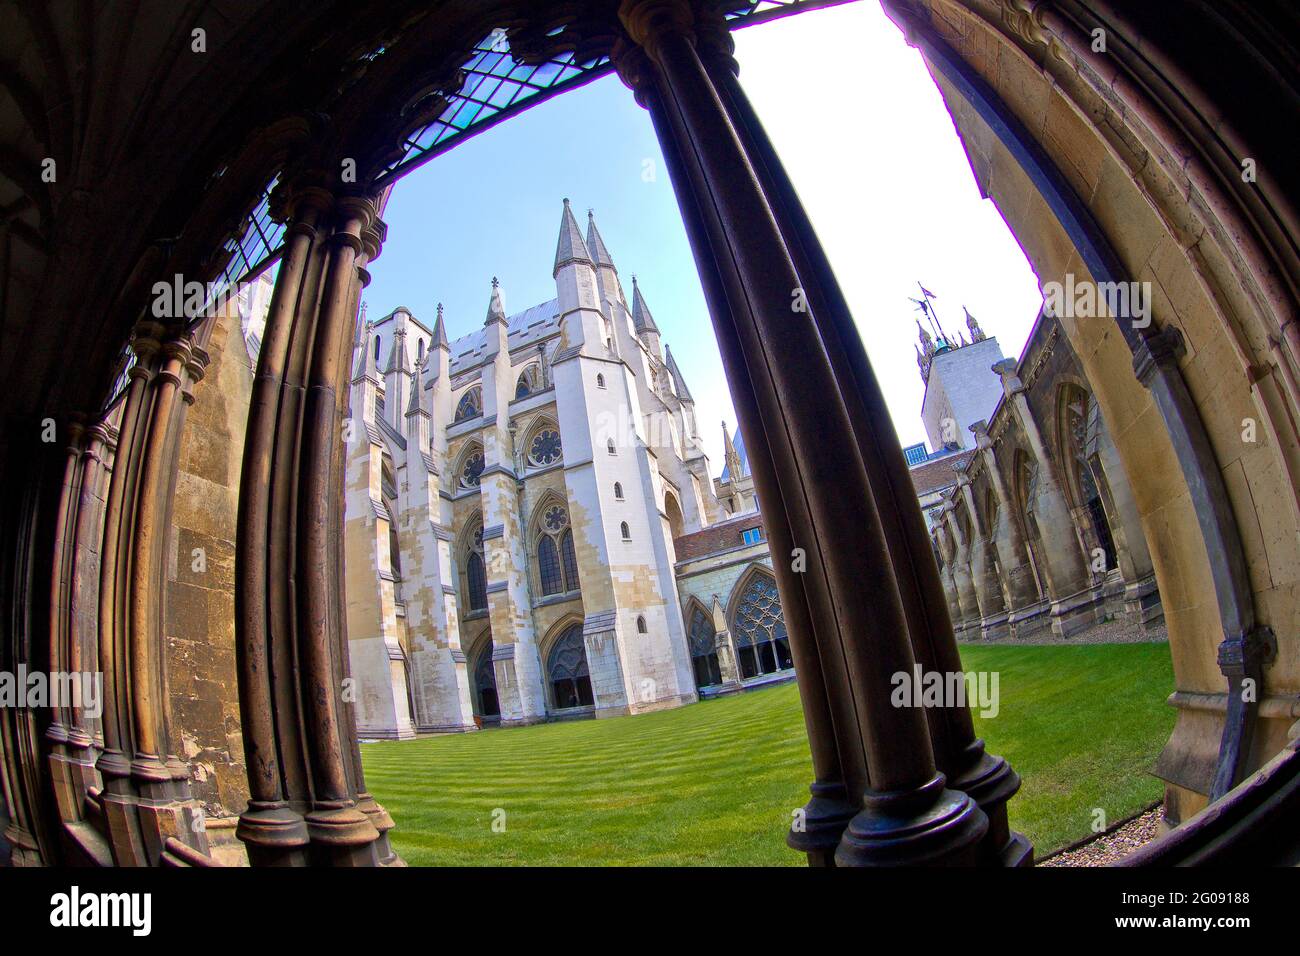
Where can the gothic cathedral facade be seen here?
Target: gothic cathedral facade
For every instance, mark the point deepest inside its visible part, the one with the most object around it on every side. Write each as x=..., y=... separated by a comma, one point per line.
x=514, y=503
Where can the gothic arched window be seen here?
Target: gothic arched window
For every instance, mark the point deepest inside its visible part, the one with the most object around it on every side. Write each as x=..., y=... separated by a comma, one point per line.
x=758, y=625
x=548, y=565
x=557, y=565
x=475, y=571
x=471, y=467
x=627, y=532
x=530, y=381
x=618, y=491
x=640, y=625
x=470, y=405
x=1078, y=429
x=566, y=668
x=704, y=649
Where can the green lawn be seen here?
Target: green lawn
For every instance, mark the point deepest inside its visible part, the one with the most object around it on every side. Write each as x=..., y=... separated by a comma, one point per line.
x=714, y=783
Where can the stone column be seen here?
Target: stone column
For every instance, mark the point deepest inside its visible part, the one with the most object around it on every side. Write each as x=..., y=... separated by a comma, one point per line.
x=988, y=589
x=728, y=661
x=944, y=546
x=963, y=582
x=291, y=635
x=1029, y=613
x=908, y=813
x=958, y=753
x=1073, y=601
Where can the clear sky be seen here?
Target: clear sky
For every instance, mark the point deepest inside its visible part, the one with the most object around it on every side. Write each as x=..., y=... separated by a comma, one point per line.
x=865, y=137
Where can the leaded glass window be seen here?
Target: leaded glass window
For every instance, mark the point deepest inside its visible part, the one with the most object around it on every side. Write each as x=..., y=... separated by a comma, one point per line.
x=569, y=560
x=476, y=581
x=530, y=380
x=566, y=667
x=548, y=565
x=545, y=447
x=759, y=629
x=704, y=650
x=557, y=565
x=470, y=405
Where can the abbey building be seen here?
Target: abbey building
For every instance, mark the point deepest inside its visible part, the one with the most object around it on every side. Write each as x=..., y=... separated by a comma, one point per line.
x=532, y=531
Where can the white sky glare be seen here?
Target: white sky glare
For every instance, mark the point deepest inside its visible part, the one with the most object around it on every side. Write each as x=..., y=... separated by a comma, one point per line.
x=864, y=136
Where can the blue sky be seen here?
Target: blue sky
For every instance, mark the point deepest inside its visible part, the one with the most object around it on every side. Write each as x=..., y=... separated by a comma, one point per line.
x=866, y=139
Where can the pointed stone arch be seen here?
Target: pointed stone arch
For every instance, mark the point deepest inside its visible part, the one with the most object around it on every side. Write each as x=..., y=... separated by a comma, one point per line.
x=529, y=381
x=542, y=445
x=470, y=462
x=469, y=405
x=673, y=511
x=471, y=565
x=757, y=624
x=566, y=669
x=551, y=547
x=698, y=621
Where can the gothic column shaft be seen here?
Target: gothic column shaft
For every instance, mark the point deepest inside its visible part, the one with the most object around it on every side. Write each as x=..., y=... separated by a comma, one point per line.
x=956, y=749
x=851, y=583
x=836, y=782
x=988, y=590
x=1022, y=590
x=335, y=825
x=270, y=828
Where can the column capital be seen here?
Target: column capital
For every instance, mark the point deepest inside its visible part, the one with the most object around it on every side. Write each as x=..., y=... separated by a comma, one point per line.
x=1161, y=350
x=648, y=22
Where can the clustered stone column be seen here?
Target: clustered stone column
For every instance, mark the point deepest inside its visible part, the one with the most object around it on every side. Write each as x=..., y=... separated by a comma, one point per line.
x=861, y=593
x=308, y=799
x=988, y=588
x=1073, y=604
x=146, y=799
x=1027, y=608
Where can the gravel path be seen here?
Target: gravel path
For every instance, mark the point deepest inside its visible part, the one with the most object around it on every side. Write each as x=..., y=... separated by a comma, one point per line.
x=1110, y=847
x=1118, y=631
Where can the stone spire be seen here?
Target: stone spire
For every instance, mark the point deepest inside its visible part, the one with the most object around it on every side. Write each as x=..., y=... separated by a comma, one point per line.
x=926, y=353
x=641, y=317
x=496, y=308
x=570, y=247
x=397, y=357
x=679, y=383
x=418, y=402
x=366, y=366
x=439, y=332
x=730, y=455
x=595, y=245
x=976, y=333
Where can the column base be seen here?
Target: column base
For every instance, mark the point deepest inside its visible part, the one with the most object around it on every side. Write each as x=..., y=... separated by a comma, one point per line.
x=1030, y=620
x=824, y=820
x=1142, y=604
x=996, y=628
x=1073, y=614
x=406, y=732
x=929, y=826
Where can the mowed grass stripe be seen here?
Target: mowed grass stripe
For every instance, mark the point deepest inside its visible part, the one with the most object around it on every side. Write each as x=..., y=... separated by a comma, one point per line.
x=715, y=783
